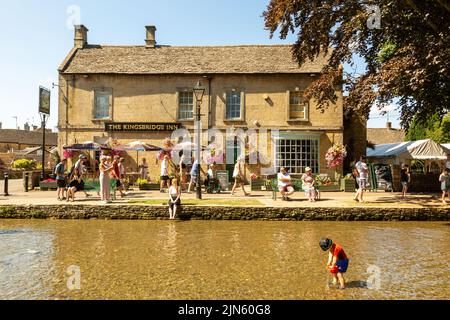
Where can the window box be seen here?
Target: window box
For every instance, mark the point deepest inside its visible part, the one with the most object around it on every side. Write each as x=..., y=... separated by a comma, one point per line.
x=258, y=184
x=149, y=186
x=348, y=185
x=45, y=186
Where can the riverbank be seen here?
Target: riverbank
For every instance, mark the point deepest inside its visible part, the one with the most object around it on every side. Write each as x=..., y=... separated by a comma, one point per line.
x=152, y=205
x=153, y=212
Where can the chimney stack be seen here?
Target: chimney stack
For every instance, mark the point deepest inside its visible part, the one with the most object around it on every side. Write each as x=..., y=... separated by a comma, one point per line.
x=81, y=38
x=0, y=125
x=150, y=40
x=389, y=125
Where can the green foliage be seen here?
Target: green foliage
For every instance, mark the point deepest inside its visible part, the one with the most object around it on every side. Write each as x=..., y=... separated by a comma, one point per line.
x=24, y=164
x=433, y=128
x=387, y=50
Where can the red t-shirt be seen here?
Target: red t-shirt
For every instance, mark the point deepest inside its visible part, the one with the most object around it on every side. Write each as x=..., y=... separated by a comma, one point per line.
x=339, y=252
x=116, y=169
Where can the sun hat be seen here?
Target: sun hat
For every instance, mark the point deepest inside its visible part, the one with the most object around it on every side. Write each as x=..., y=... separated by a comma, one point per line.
x=308, y=169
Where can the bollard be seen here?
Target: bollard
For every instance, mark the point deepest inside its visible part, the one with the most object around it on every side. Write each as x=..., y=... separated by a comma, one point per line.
x=26, y=182
x=6, y=185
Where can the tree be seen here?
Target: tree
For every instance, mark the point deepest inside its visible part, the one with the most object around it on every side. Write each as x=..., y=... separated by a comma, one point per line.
x=433, y=128
x=406, y=57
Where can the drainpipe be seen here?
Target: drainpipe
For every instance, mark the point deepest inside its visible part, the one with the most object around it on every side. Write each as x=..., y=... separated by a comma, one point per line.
x=209, y=78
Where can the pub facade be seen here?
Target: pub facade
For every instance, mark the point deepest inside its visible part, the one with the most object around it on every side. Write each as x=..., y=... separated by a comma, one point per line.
x=129, y=93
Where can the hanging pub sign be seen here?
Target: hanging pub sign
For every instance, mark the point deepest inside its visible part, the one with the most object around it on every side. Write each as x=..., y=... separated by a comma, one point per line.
x=140, y=127
x=44, y=100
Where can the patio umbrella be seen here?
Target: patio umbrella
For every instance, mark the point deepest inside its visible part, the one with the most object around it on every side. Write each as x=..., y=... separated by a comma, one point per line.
x=137, y=146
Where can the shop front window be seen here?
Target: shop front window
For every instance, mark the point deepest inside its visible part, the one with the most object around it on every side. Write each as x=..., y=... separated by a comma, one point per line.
x=297, y=154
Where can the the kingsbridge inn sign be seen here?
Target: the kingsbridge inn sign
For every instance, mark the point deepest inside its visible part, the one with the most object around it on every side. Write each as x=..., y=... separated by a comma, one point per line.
x=140, y=127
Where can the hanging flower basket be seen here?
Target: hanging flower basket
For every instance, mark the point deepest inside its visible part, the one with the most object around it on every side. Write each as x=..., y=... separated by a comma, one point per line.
x=335, y=156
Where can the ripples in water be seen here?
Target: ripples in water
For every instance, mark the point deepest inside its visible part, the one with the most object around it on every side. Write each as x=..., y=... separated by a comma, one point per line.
x=220, y=260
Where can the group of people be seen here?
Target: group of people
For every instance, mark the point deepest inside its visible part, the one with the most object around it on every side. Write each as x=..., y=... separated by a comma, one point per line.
x=286, y=188
x=109, y=169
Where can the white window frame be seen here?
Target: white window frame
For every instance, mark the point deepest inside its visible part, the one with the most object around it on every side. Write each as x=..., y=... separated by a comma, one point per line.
x=179, y=92
x=297, y=169
x=242, y=105
x=305, y=106
x=104, y=92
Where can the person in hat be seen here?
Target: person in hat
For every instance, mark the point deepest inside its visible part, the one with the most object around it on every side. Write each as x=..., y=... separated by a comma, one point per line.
x=308, y=184
x=337, y=260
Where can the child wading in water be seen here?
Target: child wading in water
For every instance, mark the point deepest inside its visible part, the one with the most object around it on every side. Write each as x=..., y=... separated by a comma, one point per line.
x=337, y=261
x=174, y=199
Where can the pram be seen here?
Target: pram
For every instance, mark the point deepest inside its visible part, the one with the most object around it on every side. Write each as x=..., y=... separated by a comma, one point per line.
x=212, y=185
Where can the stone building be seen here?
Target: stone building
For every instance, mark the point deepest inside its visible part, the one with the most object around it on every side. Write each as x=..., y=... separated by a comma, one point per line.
x=247, y=87
x=385, y=135
x=13, y=139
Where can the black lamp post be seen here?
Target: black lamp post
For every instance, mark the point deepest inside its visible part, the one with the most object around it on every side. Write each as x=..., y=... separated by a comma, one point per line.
x=199, y=91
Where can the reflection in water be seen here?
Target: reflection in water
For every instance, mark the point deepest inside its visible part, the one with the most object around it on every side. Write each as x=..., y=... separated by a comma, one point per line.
x=219, y=259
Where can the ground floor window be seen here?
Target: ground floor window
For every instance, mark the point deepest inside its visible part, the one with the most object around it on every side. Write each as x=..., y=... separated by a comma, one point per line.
x=297, y=154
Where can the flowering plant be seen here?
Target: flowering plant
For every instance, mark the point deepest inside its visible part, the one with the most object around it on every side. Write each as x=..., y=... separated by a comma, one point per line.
x=335, y=156
x=68, y=154
x=253, y=176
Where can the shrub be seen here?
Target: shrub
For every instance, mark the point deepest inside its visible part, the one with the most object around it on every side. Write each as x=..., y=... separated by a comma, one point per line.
x=24, y=164
x=141, y=181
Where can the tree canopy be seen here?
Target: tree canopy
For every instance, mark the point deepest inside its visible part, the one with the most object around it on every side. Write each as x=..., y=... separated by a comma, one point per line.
x=407, y=55
x=433, y=128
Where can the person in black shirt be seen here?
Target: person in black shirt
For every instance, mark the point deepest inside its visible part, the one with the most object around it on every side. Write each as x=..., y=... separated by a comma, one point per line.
x=405, y=179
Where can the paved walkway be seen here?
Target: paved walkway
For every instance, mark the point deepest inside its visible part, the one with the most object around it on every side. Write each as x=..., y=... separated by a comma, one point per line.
x=328, y=199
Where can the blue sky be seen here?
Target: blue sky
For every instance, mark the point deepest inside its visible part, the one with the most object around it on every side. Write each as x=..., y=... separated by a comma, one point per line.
x=36, y=36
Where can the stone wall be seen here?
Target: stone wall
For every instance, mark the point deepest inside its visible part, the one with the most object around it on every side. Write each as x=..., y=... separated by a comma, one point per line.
x=139, y=212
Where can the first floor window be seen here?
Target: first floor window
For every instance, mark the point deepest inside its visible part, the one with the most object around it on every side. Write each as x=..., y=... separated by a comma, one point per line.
x=297, y=154
x=102, y=103
x=186, y=105
x=233, y=105
x=298, y=106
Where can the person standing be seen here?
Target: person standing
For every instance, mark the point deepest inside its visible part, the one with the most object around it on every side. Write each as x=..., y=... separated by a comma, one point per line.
x=61, y=179
x=174, y=199
x=337, y=261
x=285, y=184
x=238, y=176
x=115, y=173
x=143, y=169
x=363, y=171
x=405, y=179
x=183, y=172
x=164, y=174
x=195, y=172
x=444, y=179
x=105, y=169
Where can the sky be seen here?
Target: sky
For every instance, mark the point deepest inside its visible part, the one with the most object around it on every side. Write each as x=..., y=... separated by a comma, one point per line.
x=36, y=36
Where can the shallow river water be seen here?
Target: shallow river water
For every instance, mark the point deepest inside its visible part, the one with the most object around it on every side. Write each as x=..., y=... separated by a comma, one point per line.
x=54, y=259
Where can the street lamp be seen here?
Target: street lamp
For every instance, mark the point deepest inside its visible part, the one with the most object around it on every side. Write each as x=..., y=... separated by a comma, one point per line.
x=199, y=91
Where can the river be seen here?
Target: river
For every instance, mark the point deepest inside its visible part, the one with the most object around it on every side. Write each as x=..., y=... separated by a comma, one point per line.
x=60, y=259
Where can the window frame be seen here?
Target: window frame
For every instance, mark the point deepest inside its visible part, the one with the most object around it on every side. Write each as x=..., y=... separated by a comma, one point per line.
x=178, y=96
x=288, y=107
x=242, y=104
x=106, y=92
x=302, y=160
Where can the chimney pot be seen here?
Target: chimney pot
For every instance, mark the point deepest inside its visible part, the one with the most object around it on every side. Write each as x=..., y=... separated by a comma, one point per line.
x=81, y=39
x=150, y=40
